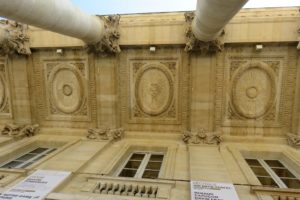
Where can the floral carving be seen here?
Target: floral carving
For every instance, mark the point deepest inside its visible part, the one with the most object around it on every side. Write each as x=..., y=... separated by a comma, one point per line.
x=152, y=95
x=293, y=140
x=109, y=44
x=19, y=131
x=14, y=38
x=105, y=134
x=193, y=44
x=154, y=90
x=201, y=137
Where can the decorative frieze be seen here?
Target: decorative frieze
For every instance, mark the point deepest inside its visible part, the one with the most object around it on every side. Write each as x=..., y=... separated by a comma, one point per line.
x=109, y=44
x=14, y=38
x=193, y=44
x=202, y=137
x=20, y=131
x=105, y=134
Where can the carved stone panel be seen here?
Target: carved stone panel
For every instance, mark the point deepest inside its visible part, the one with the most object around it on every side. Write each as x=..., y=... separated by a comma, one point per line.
x=63, y=91
x=5, y=105
x=66, y=89
x=153, y=90
x=154, y=87
x=254, y=90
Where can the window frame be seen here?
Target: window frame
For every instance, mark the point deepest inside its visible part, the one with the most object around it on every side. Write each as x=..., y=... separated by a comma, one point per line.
x=273, y=175
x=141, y=169
x=29, y=161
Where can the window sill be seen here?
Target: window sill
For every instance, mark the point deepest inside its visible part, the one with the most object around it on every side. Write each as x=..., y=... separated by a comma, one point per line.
x=163, y=186
x=277, y=193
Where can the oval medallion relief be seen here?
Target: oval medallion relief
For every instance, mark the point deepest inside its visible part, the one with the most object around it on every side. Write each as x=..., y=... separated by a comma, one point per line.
x=66, y=89
x=154, y=90
x=253, y=90
x=2, y=92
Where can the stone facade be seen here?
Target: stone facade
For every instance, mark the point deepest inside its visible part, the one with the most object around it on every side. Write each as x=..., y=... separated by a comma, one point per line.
x=205, y=112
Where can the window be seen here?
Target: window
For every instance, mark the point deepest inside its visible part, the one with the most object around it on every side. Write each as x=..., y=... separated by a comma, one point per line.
x=142, y=165
x=28, y=158
x=274, y=173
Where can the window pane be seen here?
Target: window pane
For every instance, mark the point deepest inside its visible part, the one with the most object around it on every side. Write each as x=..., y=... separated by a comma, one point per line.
x=154, y=165
x=128, y=173
x=12, y=164
x=267, y=181
x=51, y=151
x=283, y=173
x=157, y=158
x=292, y=183
x=274, y=163
x=253, y=162
x=39, y=150
x=133, y=164
x=260, y=171
x=38, y=158
x=150, y=174
x=137, y=156
x=27, y=164
x=26, y=157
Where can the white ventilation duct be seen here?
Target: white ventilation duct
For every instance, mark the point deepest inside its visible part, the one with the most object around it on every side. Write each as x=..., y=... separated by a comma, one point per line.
x=212, y=15
x=59, y=16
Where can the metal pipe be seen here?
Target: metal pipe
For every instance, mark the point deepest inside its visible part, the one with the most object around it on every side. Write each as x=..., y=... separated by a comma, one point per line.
x=212, y=15
x=59, y=16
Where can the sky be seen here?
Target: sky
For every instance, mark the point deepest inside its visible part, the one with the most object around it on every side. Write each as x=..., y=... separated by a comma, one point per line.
x=102, y=7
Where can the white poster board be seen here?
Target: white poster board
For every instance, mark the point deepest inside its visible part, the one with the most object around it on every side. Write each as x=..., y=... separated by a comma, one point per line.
x=202, y=190
x=36, y=186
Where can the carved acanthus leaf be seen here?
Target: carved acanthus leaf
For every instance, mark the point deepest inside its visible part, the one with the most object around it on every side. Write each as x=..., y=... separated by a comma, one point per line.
x=193, y=44
x=20, y=131
x=14, y=38
x=293, y=140
x=105, y=134
x=202, y=137
x=109, y=44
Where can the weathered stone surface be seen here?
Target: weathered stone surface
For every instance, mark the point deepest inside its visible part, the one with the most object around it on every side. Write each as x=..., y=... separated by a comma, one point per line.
x=14, y=38
x=238, y=103
x=201, y=137
x=105, y=134
x=193, y=44
x=19, y=131
x=109, y=44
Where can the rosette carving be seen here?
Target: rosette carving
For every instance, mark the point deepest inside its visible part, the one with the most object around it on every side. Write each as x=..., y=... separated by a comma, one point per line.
x=253, y=90
x=67, y=90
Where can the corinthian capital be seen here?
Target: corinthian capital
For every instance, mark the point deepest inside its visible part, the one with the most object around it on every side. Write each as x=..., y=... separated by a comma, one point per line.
x=109, y=44
x=193, y=44
x=14, y=38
